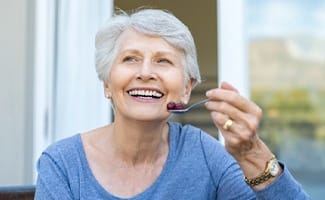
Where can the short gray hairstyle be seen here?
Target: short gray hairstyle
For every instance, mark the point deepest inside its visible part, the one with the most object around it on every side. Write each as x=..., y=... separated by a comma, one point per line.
x=153, y=22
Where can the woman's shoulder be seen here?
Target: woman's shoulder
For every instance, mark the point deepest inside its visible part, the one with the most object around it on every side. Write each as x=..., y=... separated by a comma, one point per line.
x=188, y=129
x=202, y=146
x=192, y=132
x=65, y=146
x=196, y=136
x=63, y=155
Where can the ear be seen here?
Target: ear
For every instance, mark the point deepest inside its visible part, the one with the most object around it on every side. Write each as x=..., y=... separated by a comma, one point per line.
x=107, y=91
x=185, y=98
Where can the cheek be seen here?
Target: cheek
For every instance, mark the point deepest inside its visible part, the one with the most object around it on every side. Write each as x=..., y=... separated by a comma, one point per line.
x=118, y=77
x=176, y=82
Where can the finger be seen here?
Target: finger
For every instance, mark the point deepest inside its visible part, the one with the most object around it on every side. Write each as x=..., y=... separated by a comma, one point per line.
x=226, y=109
x=218, y=119
x=227, y=86
x=234, y=99
x=231, y=138
x=236, y=136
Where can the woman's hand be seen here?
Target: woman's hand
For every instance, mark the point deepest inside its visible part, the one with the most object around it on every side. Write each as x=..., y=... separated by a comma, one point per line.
x=240, y=133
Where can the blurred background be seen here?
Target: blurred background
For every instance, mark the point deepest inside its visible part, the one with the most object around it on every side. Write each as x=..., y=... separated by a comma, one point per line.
x=286, y=57
x=272, y=50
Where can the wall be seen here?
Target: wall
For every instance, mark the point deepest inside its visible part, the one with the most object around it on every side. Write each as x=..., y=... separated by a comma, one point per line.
x=200, y=17
x=15, y=137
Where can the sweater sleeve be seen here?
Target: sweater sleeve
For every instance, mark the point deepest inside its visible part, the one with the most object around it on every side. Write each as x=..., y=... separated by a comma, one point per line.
x=285, y=187
x=224, y=170
x=229, y=182
x=52, y=181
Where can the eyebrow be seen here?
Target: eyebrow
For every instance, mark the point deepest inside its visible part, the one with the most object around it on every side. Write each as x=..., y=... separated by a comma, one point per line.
x=164, y=53
x=135, y=51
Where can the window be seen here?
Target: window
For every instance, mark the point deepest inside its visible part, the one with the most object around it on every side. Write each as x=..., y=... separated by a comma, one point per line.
x=285, y=54
x=280, y=45
x=273, y=51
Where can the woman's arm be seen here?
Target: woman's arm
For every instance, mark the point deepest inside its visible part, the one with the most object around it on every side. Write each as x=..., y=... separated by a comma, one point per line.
x=52, y=182
x=241, y=138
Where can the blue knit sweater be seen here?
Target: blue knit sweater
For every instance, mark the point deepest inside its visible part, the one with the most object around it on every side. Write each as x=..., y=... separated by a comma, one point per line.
x=198, y=167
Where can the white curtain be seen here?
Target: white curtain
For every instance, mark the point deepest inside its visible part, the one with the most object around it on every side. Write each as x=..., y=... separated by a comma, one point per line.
x=79, y=103
x=68, y=97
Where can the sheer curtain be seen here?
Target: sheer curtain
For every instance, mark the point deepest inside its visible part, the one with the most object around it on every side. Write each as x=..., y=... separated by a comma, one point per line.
x=79, y=102
x=68, y=97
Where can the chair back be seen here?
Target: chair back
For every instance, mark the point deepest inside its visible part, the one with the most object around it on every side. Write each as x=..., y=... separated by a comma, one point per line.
x=17, y=192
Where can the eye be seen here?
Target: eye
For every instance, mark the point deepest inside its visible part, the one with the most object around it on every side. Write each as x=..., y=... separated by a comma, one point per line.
x=130, y=59
x=164, y=60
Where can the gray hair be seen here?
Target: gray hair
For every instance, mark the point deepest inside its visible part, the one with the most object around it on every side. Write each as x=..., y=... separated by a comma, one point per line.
x=151, y=22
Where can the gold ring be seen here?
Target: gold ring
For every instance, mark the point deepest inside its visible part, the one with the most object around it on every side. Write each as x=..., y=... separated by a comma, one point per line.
x=227, y=125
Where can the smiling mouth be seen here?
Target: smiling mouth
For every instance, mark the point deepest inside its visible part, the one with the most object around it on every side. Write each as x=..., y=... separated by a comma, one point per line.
x=145, y=93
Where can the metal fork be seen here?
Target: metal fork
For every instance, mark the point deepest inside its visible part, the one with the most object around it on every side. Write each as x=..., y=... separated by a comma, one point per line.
x=185, y=110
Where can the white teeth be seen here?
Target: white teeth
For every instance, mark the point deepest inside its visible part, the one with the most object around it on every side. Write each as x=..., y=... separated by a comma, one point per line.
x=156, y=94
x=149, y=93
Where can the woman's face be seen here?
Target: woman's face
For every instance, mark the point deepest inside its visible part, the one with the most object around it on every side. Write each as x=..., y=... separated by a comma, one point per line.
x=146, y=74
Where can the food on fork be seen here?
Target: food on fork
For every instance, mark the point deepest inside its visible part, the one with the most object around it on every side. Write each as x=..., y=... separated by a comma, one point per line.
x=175, y=106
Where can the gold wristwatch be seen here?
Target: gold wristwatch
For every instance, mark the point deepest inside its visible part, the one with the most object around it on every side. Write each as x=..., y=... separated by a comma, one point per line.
x=272, y=169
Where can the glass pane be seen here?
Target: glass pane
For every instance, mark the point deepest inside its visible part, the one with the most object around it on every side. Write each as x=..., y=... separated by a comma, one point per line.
x=286, y=50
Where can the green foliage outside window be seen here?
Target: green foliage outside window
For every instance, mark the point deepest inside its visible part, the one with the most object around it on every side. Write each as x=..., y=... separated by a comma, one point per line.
x=291, y=113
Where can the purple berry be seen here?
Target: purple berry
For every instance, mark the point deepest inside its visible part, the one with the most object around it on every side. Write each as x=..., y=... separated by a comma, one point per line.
x=179, y=106
x=171, y=105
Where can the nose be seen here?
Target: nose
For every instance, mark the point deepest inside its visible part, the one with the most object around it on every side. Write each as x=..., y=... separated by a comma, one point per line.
x=146, y=72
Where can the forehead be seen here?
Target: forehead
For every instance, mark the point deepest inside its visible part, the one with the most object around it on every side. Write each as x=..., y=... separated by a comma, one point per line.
x=131, y=39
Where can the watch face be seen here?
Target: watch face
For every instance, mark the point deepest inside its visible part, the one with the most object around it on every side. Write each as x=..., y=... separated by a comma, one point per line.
x=274, y=167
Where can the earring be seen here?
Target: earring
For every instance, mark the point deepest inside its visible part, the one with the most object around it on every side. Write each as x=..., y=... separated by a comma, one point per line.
x=108, y=95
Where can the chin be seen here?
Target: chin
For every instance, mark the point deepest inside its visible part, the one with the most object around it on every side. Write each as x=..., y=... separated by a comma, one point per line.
x=149, y=116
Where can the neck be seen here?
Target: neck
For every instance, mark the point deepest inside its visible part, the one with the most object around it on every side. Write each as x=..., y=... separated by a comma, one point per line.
x=140, y=142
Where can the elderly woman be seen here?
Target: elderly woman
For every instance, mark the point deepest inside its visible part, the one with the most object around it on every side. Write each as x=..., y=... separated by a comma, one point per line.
x=146, y=60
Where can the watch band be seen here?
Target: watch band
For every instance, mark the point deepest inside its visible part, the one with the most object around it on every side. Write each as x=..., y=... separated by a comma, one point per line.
x=258, y=180
x=266, y=175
